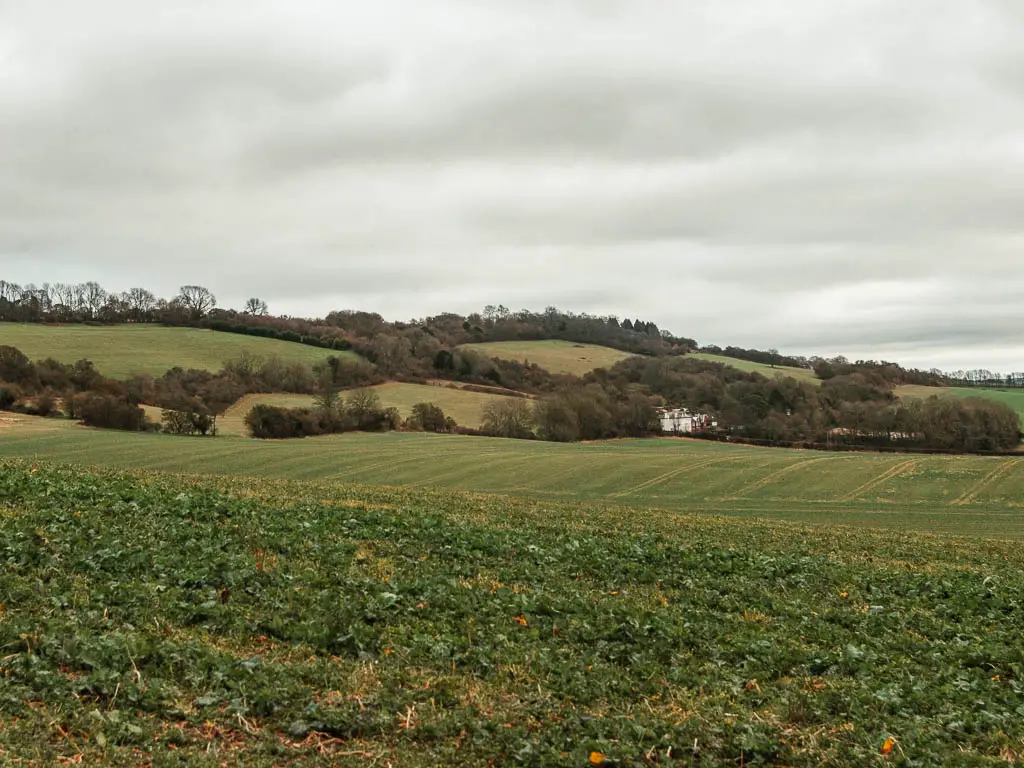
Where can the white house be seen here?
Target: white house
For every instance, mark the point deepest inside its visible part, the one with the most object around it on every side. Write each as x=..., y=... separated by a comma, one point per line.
x=680, y=421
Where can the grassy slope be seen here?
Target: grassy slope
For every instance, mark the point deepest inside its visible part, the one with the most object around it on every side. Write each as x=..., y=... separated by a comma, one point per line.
x=120, y=351
x=160, y=621
x=803, y=374
x=962, y=494
x=1011, y=397
x=555, y=356
x=465, y=407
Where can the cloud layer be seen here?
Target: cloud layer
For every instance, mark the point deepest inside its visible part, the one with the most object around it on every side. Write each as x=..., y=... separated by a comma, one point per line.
x=821, y=178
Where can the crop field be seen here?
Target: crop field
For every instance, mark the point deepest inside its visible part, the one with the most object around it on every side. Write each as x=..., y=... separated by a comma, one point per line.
x=466, y=407
x=120, y=351
x=555, y=356
x=160, y=620
x=939, y=494
x=1011, y=397
x=802, y=374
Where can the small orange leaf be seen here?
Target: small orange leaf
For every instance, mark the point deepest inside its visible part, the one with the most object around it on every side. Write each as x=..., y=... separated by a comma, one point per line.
x=597, y=758
x=521, y=621
x=888, y=746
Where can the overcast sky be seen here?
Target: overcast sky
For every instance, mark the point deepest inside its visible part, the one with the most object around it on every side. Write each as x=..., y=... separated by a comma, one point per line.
x=820, y=177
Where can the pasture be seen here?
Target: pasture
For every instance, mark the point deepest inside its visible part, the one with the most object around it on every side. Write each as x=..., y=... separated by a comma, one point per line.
x=801, y=374
x=1011, y=397
x=123, y=350
x=939, y=494
x=555, y=356
x=466, y=407
x=160, y=620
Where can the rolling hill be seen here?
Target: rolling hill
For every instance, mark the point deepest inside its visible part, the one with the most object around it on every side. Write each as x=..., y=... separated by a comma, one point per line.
x=122, y=350
x=555, y=356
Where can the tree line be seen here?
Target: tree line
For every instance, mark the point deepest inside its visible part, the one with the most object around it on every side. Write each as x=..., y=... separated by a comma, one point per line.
x=409, y=349
x=855, y=408
x=854, y=405
x=986, y=379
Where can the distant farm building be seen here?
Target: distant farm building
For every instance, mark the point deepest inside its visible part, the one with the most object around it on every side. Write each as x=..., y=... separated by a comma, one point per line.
x=680, y=421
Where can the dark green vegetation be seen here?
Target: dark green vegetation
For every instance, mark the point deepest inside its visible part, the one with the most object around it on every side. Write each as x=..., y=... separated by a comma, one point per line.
x=940, y=494
x=261, y=623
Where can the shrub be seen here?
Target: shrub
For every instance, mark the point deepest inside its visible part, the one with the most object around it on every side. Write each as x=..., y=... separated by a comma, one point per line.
x=509, y=417
x=427, y=417
x=10, y=394
x=188, y=423
x=16, y=368
x=270, y=422
x=46, y=404
x=108, y=412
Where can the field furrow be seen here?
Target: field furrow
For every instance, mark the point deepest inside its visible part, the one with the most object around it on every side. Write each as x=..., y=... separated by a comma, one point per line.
x=1005, y=466
x=882, y=478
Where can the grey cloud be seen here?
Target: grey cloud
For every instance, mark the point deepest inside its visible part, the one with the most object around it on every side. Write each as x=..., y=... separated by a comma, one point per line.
x=821, y=178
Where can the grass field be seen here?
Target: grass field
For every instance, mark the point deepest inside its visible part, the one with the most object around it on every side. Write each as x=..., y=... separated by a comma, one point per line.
x=1011, y=397
x=942, y=494
x=803, y=374
x=555, y=356
x=467, y=408
x=120, y=351
x=160, y=620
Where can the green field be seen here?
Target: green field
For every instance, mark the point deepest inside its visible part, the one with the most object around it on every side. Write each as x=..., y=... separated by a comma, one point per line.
x=465, y=407
x=120, y=351
x=958, y=494
x=555, y=356
x=802, y=374
x=1011, y=397
x=160, y=620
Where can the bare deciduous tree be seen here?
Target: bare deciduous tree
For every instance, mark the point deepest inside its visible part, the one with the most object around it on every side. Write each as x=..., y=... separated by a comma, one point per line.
x=257, y=307
x=198, y=301
x=93, y=298
x=139, y=302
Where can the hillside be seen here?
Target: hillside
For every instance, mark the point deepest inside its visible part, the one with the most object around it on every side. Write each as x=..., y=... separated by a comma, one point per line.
x=802, y=374
x=122, y=350
x=554, y=356
x=464, y=406
x=962, y=494
x=1011, y=397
